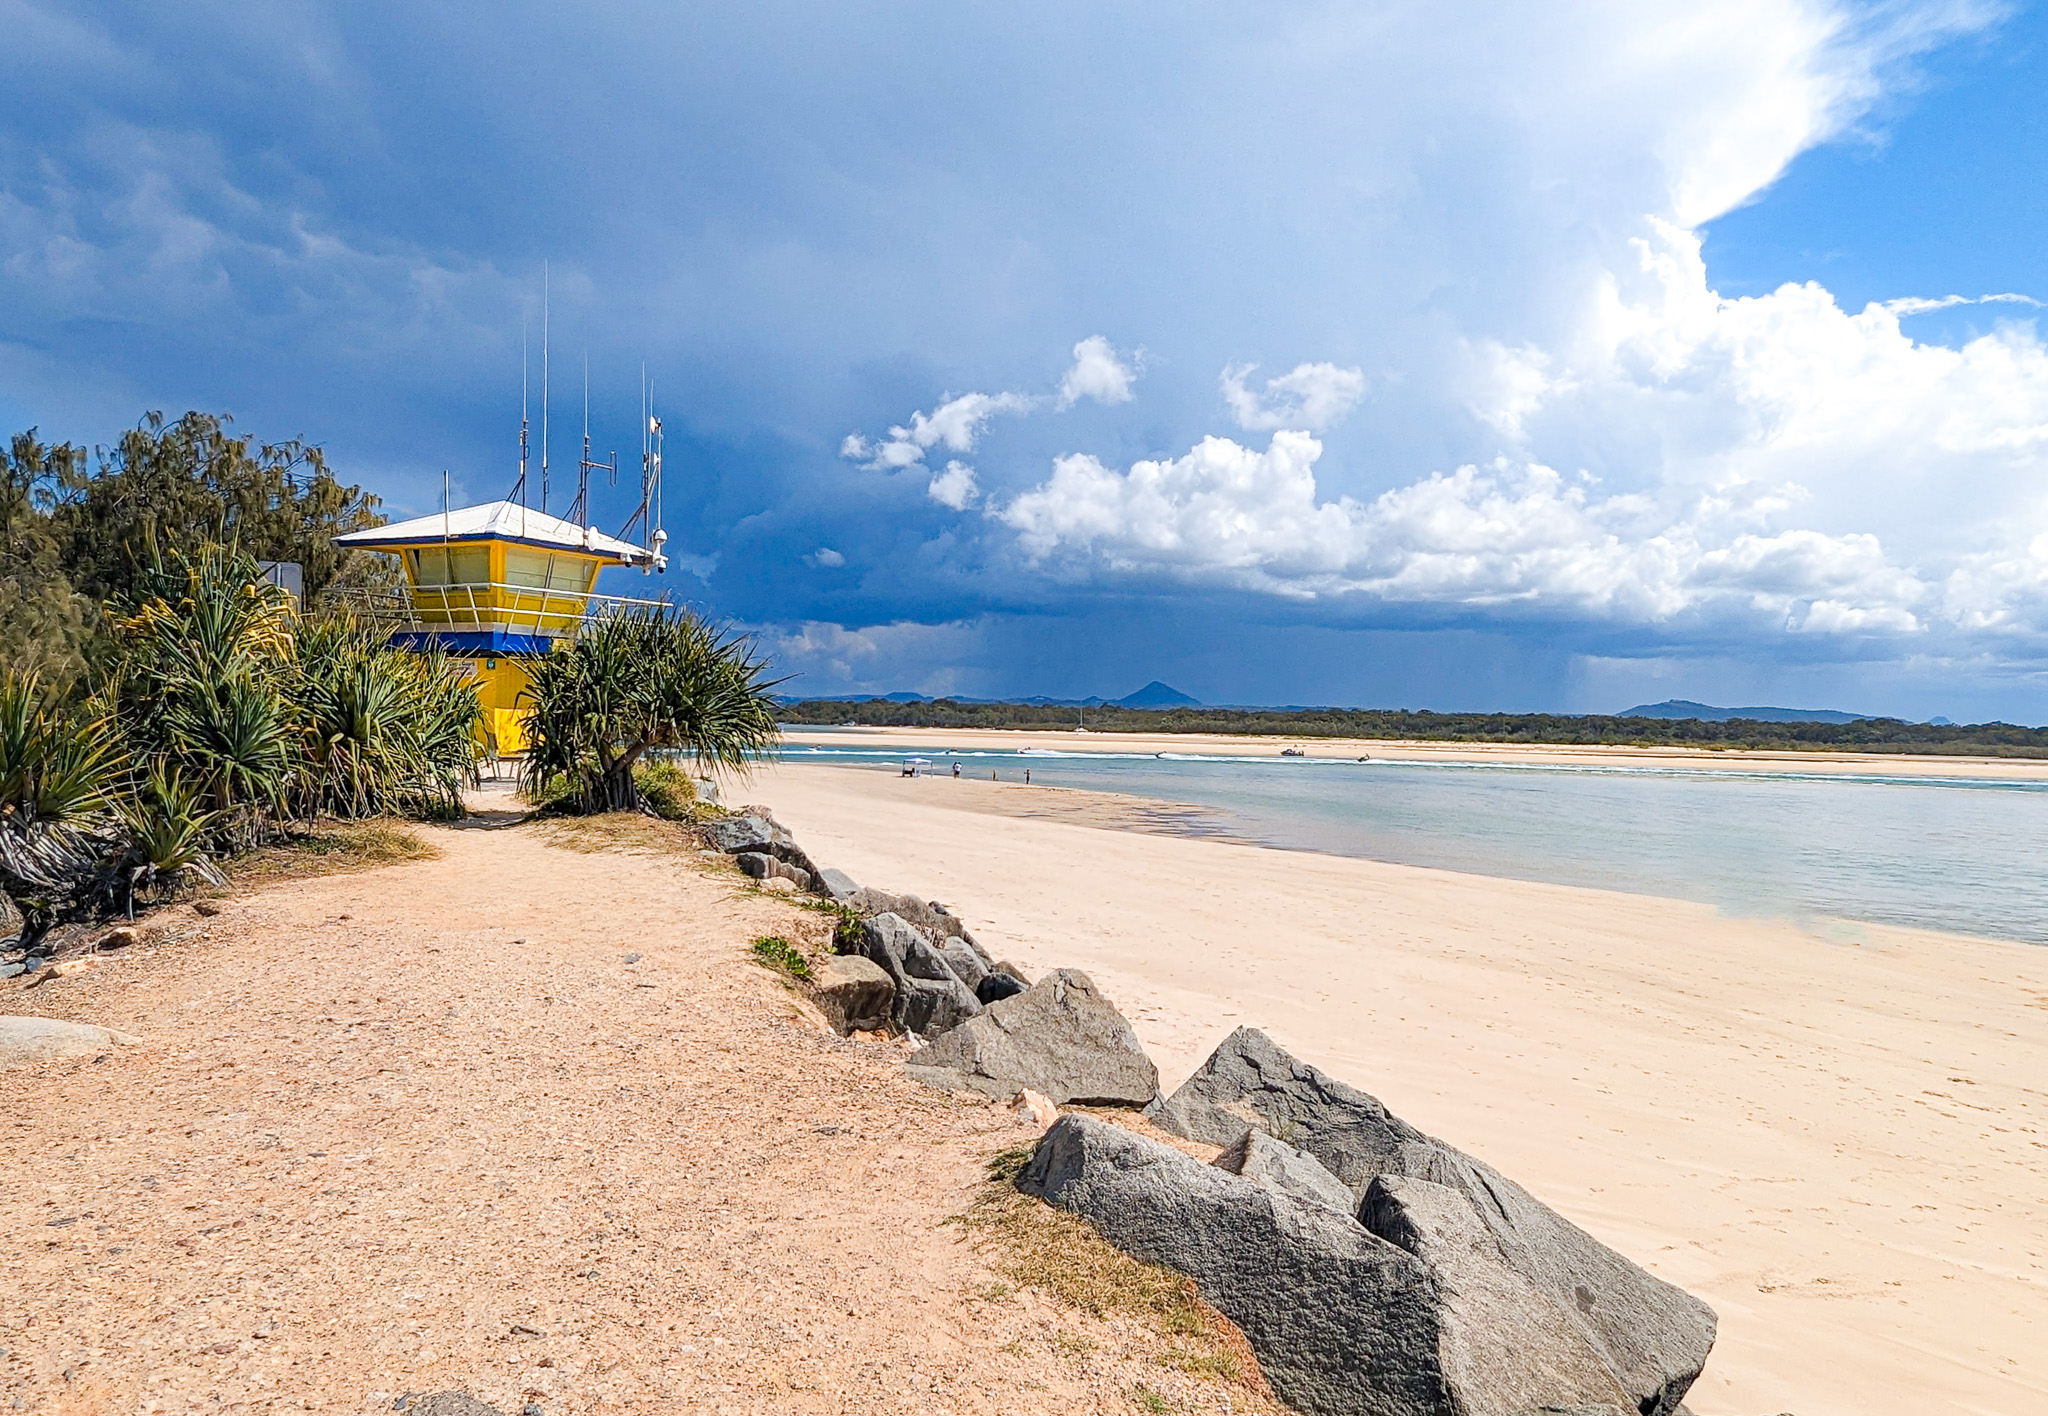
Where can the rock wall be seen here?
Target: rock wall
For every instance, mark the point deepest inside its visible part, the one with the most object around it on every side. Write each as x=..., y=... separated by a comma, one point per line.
x=1375, y=1270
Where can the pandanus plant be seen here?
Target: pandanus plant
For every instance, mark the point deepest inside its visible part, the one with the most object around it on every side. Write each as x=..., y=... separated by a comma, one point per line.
x=645, y=680
x=60, y=773
x=384, y=730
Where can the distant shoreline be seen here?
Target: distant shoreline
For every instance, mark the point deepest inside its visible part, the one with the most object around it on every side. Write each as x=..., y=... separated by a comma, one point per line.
x=1774, y=759
x=1883, y=736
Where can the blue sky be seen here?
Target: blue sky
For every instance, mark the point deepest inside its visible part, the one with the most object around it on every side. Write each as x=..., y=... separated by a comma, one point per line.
x=1460, y=356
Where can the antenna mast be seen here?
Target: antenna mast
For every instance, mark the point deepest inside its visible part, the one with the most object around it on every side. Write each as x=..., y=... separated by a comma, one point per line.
x=519, y=488
x=650, y=481
x=543, y=386
x=581, y=509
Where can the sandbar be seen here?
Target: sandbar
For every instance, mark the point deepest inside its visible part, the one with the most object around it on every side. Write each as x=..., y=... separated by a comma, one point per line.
x=1881, y=764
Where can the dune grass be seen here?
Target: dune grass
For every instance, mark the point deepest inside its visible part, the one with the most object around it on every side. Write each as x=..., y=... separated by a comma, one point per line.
x=335, y=848
x=628, y=831
x=1031, y=1244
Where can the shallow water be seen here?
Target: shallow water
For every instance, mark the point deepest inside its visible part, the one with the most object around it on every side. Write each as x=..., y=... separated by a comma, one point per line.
x=1964, y=856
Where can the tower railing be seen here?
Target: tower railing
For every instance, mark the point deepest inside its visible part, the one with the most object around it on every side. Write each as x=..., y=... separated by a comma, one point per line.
x=484, y=606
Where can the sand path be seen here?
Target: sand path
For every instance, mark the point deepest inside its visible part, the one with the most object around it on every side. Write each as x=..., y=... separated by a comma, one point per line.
x=427, y=1128
x=1838, y=1140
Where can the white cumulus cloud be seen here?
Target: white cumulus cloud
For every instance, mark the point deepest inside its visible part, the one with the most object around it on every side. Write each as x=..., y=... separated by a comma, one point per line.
x=1310, y=396
x=956, y=424
x=1504, y=535
x=1921, y=304
x=954, y=487
x=1098, y=372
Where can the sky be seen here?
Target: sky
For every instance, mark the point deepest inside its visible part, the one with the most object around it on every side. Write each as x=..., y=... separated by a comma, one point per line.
x=1445, y=355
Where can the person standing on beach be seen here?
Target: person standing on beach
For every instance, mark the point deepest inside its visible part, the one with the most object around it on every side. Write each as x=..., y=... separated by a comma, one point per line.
x=1027, y=776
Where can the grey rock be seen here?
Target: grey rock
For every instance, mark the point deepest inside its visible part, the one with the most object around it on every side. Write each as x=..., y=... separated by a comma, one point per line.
x=25, y=1041
x=998, y=984
x=444, y=1403
x=836, y=884
x=1652, y=1335
x=1278, y=1166
x=929, y=999
x=868, y=902
x=762, y=866
x=744, y=832
x=765, y=834
x=931, y=1009
x=1061, y=1038
x=805, y=869
x=11, y=922
x=1341, y=1321
x=979, y=953
x=11, y=970
x=853, y=992
x=1502, y=1343
x=32, y=962
x=966, y=964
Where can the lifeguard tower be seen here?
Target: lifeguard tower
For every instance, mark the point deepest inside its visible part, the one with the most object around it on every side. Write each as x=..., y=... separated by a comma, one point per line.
x=498, y=585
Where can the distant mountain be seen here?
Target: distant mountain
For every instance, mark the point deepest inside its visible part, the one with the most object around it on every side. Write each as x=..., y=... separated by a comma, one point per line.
x=1157, y=695
x=1707, y=713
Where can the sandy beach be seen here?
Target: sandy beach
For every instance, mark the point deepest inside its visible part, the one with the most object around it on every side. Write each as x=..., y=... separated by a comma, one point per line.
x=1884, y=764
x=1835, y=1135
x=520, y=1121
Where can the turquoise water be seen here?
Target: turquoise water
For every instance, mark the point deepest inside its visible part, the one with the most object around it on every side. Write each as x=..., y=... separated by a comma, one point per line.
x=1965, y=856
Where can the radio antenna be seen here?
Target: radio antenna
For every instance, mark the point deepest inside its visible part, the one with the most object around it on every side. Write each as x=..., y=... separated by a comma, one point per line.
x=519, y=488
x=581, y=510
x=543, y=386
x=648, y=517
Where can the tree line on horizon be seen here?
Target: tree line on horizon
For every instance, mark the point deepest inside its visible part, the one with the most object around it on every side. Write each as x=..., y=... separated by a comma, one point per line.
x=1555, y=729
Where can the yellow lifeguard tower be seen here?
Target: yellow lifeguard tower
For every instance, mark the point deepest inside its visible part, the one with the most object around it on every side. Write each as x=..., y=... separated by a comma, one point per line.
x=498, y=585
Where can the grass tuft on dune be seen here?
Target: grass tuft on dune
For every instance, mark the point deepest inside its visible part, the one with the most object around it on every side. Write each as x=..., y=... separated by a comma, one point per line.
x=1033, y=1245
x=336, y=848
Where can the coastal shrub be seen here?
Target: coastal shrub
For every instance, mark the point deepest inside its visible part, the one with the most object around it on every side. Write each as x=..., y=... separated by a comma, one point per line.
x=198, y=677
x=59, y=777
x=167, y=825
x=666, y=790
x=385, y=731
x=647, y=680
x=784, y=957
x=218, y=720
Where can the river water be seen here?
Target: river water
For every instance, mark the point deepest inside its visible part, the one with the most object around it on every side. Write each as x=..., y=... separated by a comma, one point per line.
x=1968, y=856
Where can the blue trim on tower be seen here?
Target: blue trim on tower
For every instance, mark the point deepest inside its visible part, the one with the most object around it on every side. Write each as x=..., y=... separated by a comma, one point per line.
x=472, y=642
